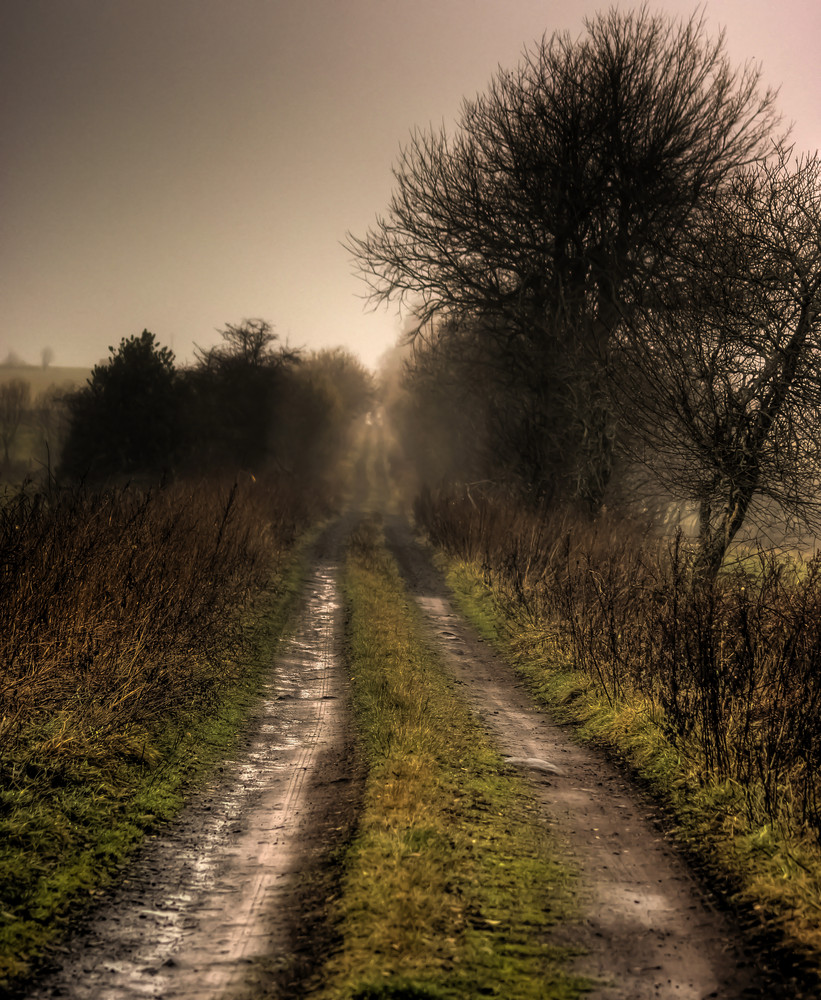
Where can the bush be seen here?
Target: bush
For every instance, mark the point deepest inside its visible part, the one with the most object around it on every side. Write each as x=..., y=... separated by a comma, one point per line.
x=730, y=668
x=126, y=420
x=117, y=611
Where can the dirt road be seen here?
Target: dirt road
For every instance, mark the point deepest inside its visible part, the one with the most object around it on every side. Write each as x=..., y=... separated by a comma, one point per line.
x=648, y=928
x=229, y=902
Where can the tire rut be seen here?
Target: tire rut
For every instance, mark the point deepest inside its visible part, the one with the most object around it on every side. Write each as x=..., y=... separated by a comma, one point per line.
x=227, y=901
x=649, y=930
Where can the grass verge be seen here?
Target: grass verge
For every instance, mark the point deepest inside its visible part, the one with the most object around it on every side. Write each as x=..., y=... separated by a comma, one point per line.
x=765, y=872
x=62, y=842
x=450, y=885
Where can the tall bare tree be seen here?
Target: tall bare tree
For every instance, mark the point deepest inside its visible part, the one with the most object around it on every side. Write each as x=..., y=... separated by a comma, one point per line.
x=720, y=373
x=560, y=190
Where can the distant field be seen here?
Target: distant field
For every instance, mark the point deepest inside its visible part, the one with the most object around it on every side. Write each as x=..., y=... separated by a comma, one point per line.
x=41, y=378
x=37, y=444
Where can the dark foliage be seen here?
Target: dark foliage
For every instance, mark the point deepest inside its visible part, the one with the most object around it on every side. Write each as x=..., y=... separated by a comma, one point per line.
x=246, y=407
x=523, y=240
x=126, y=421
x=230, y=397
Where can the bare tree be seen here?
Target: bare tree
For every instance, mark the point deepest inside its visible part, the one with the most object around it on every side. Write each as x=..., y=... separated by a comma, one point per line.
x=490, y=410
x=50, y=416
x=14, y=401
x=720, y=375
x=249, y=344
x=559, y=193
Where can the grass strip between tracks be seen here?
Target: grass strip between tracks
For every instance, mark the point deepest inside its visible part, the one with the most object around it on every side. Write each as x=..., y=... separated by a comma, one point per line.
x=450, y=887
x=63, y=846
x=775, y=881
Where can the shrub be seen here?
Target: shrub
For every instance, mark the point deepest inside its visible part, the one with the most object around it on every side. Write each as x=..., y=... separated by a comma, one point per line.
x=731, y=668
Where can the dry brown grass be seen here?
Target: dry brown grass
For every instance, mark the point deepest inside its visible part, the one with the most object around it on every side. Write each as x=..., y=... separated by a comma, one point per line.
x=117, y=609
x=711, y=694
x=135, y=626
x=732, y=670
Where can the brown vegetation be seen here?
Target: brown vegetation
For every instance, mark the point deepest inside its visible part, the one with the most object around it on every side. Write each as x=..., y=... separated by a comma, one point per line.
x=117, y=612
x=135, y=620
x=730, y=669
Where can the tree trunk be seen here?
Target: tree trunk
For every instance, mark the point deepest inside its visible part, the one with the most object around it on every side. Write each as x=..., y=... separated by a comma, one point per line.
x=717, y=531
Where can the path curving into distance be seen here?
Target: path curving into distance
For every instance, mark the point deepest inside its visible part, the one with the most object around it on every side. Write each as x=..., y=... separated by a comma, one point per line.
x=216, y=906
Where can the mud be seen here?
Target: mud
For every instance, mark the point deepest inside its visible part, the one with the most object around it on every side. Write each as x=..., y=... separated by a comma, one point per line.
x=649, y=929
x=230, y=901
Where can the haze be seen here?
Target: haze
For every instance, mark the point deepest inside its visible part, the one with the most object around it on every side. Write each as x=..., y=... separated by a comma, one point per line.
x=181, y=165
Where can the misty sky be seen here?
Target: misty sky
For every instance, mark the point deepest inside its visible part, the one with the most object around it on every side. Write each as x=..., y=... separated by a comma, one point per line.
x=181, y=164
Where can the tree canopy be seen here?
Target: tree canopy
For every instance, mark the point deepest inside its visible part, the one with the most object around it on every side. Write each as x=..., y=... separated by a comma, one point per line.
x=534, y=226
x=720, y=372
x=612, y=262
x=126, y=419
x=247, y=406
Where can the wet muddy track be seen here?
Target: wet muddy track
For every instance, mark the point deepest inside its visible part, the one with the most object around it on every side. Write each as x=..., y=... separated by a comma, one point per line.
x=229, y=900
x=649, y=928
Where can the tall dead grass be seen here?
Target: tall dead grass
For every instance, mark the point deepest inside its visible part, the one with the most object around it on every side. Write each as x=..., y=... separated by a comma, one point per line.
x=119, y=610
x=731, y=670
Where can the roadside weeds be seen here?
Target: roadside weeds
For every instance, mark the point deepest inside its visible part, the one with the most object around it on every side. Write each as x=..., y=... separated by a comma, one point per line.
x=772, y=883
x=64, y=845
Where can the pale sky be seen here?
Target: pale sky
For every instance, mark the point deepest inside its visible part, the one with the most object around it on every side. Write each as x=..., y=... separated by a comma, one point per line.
x=177, y=165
